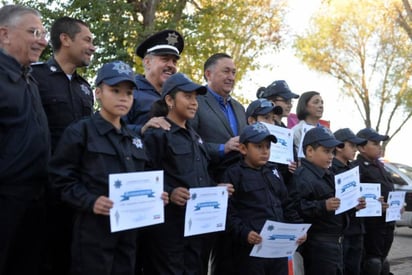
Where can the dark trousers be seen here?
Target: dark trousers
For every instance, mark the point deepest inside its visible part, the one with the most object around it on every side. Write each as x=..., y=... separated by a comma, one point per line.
x=96, y=250
x=323, y=256
x=246, y=264
x=167, y=251
x=222, y=255
x=352, y=254
x=377, y=243
x=378, y=239
x=21, y=235
x=59, y=227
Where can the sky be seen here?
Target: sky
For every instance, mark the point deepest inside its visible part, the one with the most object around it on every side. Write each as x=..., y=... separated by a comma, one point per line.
x=340, y=111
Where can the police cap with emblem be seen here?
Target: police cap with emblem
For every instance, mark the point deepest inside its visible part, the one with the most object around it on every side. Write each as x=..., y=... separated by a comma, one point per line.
x=346, y=134
x=279, y=88
x=162, y=43
x=256, y=133
x=180, y=82
x=115, y=72
x=322, y=136
x=262, y=107
x=371, y=134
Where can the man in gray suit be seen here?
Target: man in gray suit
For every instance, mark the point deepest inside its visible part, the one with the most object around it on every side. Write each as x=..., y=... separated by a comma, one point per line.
x=219, y=121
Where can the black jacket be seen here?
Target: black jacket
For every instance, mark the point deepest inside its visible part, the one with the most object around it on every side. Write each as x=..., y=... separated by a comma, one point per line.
x=260, y=195
x=87, y=153
x=314, y=186
x=24, y=134
x=182, y=155
x=64, y=100
x=356, y=225
x=374, y=172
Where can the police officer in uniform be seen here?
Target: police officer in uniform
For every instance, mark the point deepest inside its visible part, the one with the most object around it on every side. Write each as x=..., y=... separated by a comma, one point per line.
x=66, y=98
x=160, y=54
x=24, y=142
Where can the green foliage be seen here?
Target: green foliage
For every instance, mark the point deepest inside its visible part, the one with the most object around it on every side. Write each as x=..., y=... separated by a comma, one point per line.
x=241, y=28
x=368, y=53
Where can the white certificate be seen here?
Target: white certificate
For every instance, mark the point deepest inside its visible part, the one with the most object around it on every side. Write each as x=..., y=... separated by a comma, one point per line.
x=282, y=151
x=279, y=239
x=136, y=199
x=304, y=129
x=396, y=199
x=206, y=210
x=347, y=188
x=371, y=192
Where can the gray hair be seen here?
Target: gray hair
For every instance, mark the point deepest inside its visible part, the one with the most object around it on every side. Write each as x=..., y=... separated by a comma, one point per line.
x=10, y=14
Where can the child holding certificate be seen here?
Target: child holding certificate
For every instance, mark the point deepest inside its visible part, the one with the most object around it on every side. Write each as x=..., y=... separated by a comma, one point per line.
x=315, y=196
x=379, y=234
x=181, y=153
x=87, y=153
x=353, y=234
x=260, y=195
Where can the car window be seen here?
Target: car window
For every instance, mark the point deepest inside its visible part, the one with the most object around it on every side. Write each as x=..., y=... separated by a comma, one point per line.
x=396, y=178
x=407, y=170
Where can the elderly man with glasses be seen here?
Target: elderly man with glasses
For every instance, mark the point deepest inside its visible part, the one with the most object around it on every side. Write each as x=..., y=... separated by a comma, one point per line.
x=24, y=142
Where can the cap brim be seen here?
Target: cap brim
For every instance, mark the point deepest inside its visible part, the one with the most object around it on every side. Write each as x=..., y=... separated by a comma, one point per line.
x=357, y=141
x=165, y=52
x=380, y=138
x=289, y=95
x=263, y=111
x=258, y=139
x=116, y=80
x=192, y=87
x=330, y=143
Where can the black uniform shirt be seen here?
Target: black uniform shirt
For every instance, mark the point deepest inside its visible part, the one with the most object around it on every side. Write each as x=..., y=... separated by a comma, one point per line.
x=260, y=195
x=314, y=186
x=64, y=100
x=144, y=97
x=24, y=134
x=374, y=172
x=87, y=153
x=181, y=154
x=356, y=225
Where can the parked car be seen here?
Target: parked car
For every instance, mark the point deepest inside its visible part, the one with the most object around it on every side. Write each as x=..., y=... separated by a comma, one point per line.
x=402, y=177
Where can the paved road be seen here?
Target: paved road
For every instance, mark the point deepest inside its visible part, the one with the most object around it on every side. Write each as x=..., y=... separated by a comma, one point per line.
x=400, y=256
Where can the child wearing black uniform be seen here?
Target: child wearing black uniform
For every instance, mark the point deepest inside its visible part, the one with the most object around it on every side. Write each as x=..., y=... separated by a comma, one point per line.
x=181, y=153
x=353, y=234
x=260, y=195
x=87, y=153
x=379, y=234
x=322, y=252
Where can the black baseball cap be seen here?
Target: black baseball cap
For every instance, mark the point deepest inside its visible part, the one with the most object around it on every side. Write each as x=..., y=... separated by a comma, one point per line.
x=255, y=133
x=371, y=134
x=262, y=106
x=279, y=88
x=162, y=43
x=181, y=82
x=323, y=136
x=346, y=134
x=115, y=72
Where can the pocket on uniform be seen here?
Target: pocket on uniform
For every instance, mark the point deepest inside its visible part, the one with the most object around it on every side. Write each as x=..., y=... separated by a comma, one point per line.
x=56, y=108
x=180, y=149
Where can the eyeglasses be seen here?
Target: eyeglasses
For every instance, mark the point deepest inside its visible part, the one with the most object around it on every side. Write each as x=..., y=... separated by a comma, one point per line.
x=38, y=34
